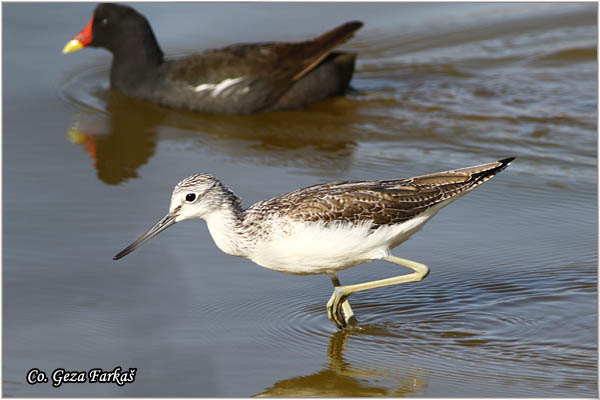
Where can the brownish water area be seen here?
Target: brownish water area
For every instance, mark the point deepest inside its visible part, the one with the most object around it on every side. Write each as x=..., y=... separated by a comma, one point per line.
x=510, y=306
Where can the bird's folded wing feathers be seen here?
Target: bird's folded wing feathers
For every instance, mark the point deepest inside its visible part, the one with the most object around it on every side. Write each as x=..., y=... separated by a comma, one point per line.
x=274, y=61
x=380, y=202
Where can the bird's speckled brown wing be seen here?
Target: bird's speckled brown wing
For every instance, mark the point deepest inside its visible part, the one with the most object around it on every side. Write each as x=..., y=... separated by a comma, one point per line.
x=382, y=202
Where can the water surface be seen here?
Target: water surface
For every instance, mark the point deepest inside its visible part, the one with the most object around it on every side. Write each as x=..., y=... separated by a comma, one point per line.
x=510, y=306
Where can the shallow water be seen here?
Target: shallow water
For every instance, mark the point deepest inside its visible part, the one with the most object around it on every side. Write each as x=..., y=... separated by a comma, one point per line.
x=510, y=306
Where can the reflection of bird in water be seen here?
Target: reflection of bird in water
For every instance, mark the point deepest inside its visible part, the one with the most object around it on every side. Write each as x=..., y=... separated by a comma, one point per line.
x=124, y=137
x=121, y=133
x=239, y=79
x=341, y=379
x=323, y=229
x=129, y=142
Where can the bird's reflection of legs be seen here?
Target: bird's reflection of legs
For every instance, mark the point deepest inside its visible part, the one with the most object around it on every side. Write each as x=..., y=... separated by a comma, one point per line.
x=335, y=351
x=340, y=378
x=335, y=356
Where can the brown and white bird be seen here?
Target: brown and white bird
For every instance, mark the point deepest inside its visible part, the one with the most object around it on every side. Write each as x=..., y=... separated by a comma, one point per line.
x=239, y=79
x=325, y=228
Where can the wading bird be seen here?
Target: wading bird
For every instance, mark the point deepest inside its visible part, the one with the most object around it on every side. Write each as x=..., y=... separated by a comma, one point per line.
x=325, y=228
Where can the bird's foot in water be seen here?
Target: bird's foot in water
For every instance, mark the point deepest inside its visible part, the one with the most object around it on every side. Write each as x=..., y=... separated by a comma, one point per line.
x=337, y=311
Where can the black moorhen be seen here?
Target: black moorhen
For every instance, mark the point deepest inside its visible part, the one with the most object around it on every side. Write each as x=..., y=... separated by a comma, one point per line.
x=240, y=79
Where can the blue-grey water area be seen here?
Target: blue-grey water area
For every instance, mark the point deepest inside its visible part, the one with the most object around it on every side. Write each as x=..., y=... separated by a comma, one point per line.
x=510, y=306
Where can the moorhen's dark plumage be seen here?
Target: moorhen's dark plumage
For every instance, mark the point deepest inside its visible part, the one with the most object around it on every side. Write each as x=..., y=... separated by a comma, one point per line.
x=241, y=79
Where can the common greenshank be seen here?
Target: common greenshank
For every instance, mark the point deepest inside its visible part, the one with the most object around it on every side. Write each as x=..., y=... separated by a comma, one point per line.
x=325, y=228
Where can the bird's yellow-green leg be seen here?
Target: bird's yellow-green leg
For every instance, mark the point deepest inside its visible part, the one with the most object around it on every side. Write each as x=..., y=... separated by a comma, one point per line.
x=348, y=316
x=341, y=293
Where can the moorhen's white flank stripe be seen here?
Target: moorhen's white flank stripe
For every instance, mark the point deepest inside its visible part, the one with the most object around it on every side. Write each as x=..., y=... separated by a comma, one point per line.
x=217, y=88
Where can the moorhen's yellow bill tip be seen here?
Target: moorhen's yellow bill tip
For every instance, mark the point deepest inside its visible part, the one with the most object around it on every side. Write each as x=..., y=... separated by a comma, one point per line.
x=72, y=46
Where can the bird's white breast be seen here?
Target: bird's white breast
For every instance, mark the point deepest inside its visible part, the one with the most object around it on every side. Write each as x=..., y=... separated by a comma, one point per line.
x=316, y=248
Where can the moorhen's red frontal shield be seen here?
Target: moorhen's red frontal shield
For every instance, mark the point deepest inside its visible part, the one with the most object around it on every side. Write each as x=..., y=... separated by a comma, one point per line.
x=82, y=39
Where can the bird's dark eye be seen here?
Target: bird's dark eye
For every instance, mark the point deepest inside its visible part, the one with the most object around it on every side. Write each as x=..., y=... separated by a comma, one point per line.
x=104, y=22
x=190, y=197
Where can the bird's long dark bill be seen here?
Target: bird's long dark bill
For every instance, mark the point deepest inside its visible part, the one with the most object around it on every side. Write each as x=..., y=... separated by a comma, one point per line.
x=163, y=224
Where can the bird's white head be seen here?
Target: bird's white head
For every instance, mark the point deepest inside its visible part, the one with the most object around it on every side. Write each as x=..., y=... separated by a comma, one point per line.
x=196, y=196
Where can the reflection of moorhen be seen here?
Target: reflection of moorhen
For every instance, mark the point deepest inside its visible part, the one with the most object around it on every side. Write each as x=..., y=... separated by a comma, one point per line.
x=124, y=136
x=341, y=379
x=130, y=142
x=241, y=79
